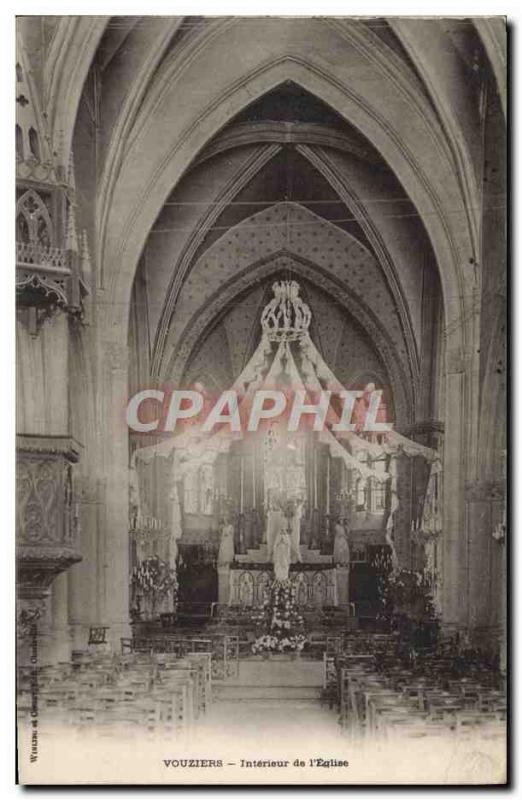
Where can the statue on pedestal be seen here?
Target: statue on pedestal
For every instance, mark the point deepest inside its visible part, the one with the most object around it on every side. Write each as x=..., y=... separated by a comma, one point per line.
x=292, y=514
x=282, y=556
x=275, y=521
x=341, y=552
x=226, y=544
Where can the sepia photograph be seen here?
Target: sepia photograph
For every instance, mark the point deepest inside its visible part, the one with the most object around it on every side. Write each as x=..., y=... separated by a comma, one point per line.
x=261, y=400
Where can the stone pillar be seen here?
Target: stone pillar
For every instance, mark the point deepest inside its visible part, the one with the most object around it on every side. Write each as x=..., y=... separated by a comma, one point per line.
x=223, y=583
x=454, y=555
x=343, y=584
x=460, y=462
x=60, y=632
x=82, y=585
x=99, y=586
x=112, y=572
x=484, y=509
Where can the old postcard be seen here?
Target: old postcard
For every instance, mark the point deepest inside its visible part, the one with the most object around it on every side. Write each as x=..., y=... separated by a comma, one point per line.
x=261, y=400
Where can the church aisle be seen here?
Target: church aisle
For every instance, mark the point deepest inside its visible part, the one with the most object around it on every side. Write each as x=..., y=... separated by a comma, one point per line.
x=271, y=703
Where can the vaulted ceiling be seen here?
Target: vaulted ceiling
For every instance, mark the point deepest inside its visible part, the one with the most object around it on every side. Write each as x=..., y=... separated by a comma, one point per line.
x=287, y=186
x=184, y=132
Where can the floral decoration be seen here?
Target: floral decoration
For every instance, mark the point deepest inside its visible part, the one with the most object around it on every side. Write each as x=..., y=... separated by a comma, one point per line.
x=154, y=579
x=407, y=604
x=279, y=623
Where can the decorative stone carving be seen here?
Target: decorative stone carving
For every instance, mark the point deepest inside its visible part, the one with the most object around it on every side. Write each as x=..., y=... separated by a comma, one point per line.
x=48, y=270
x=38, y=482
x=33, y=220
x=47, y=519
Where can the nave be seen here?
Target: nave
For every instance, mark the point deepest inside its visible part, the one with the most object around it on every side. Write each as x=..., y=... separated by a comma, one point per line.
x=289, y=213
x=354, y=696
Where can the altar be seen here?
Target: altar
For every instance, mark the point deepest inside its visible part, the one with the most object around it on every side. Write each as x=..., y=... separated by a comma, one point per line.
x=246, y=581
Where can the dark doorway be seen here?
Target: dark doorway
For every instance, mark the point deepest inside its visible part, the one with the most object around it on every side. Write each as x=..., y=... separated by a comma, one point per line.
x=197, y=584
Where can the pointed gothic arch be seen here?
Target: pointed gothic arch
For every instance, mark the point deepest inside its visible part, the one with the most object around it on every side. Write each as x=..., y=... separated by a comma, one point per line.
x=33, y=221
x=448, y=236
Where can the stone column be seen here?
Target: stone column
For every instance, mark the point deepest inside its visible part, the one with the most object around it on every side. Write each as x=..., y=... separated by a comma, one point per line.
x=460, y=449
x=454, y=555
x=82, y=585
x=484, y=506
x=112, y=546
x=60, y=632
x=99, y=586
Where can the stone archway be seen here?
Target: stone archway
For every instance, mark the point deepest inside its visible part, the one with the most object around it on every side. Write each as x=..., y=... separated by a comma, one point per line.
x=418, y=157
x=129, y=230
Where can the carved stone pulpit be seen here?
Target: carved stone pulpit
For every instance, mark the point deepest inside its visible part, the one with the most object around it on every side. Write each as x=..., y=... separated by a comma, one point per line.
x=47, y=524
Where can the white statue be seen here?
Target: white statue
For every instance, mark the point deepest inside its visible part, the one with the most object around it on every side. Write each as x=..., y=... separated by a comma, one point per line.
x=206, y=488
x=295, y=531
x=226, y=545
x=282, y=556
x=275, y=521
x=341, y=552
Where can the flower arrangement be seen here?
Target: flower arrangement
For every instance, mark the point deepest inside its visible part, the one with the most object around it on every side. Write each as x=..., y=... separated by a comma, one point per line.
x=408, y=606
x=154, y=580
x=280, y=625
x=407, y=592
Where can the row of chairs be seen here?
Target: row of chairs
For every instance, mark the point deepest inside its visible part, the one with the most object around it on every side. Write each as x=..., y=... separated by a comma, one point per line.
x=379, y=697
x=140, y=692
x=224, y=648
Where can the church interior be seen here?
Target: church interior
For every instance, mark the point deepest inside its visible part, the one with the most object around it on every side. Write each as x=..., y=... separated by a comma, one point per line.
x=225, y=203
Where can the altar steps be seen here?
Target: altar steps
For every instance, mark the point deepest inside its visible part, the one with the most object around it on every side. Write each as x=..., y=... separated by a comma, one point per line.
x=245, y=693
x=278, y=696
x=259, y=555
